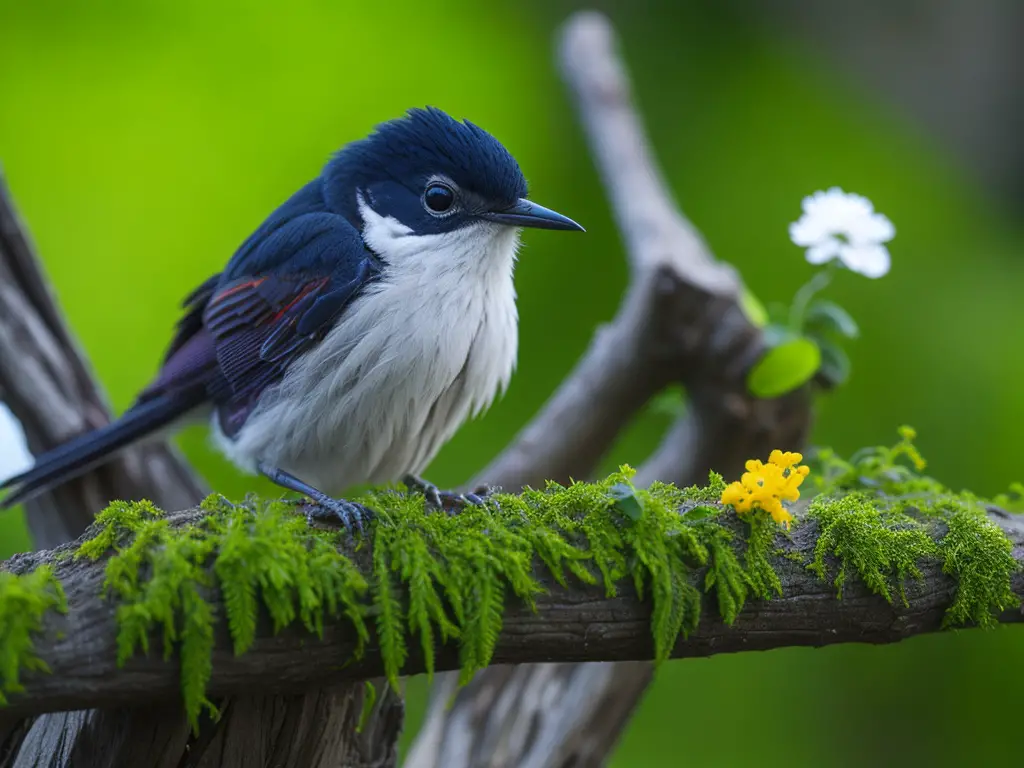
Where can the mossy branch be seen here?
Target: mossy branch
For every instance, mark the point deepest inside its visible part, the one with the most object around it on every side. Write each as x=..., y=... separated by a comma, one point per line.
x=229, y=599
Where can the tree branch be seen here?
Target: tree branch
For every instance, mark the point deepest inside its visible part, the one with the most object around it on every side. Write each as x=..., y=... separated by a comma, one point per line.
x=46, y=381
x=680, y=321
x=571, y=624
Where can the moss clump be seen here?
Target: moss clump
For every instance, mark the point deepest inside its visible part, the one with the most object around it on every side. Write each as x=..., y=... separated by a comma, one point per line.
x=113, y=522
x=162, y=579
x=879, y=515
x=980, y=556
x=724, y=574
x=24, y=601
x=882, y=548
x=760, y=573
x=430, y=577
x=457, y=571
x=885, y=540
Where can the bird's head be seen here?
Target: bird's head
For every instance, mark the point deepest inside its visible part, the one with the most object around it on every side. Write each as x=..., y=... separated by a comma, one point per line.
x=429, y=178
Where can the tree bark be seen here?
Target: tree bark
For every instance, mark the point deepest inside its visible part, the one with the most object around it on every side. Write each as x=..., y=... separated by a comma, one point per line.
x=46, y=381
x=681, y=321
x=577, y=623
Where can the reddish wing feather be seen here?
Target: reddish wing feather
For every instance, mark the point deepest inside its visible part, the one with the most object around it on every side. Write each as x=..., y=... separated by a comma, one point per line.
x=246, y=317
x=240, y=338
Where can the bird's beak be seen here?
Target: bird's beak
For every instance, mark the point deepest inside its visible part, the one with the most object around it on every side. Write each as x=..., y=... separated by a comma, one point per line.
x=527, y=214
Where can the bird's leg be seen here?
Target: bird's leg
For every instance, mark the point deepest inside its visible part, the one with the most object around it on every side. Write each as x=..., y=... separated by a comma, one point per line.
x=443, y=500
x=348, y=513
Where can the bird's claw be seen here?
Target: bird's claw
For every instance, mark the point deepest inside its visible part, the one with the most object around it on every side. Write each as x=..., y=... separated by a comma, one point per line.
x=348, y=514
x=480, y=495
x=451, y=502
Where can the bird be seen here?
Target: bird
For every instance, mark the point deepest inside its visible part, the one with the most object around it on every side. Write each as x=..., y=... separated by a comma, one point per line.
x=354, y=331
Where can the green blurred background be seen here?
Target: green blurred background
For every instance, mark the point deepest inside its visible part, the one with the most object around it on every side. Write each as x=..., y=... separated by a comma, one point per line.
x=144, y=141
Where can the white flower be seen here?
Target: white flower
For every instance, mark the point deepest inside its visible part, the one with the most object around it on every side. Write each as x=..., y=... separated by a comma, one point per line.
x=842, y=225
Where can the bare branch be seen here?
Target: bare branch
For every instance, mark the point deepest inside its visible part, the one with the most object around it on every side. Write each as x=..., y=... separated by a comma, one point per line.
x=47, y=384
x=550, y=714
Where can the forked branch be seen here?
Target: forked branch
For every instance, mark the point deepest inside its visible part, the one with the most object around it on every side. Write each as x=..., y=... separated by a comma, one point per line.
x=680, y=321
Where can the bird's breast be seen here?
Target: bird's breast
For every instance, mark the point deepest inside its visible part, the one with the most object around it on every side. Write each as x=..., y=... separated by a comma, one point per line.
x=408, y=363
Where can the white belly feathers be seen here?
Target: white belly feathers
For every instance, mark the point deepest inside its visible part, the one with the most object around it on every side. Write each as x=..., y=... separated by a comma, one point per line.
x=428, y=345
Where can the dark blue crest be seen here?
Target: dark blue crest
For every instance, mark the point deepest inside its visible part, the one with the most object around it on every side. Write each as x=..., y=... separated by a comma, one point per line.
x=395, y=165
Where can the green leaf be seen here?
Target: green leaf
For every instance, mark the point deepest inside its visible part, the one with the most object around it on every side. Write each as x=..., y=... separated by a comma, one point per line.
x=829, y=317
x=753, y=308
x=626, y=500
x=784, y=368
x=835, y=364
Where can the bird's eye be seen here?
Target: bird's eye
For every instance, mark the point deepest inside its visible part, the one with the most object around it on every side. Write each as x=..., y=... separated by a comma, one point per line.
x=439, y=198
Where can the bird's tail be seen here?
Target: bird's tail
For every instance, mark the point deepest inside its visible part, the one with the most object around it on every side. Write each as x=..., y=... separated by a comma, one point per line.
x=80, y=454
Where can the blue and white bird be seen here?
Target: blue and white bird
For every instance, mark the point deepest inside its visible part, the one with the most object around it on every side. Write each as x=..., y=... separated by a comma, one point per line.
x=355, y=330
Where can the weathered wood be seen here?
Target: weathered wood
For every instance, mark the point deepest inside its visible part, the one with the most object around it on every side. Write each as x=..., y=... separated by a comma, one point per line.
x=680, y=321
x=578, y=623
x=46, y=381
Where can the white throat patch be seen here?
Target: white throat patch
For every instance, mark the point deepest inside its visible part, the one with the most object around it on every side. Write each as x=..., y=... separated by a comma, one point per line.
x=479, y=250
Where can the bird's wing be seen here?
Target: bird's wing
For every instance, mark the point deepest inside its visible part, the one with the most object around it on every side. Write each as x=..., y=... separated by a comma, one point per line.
x=240, y=330
x=270, y=307
x=192, y=321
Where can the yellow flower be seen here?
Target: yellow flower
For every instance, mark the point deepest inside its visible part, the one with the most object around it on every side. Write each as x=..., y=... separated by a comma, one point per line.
x=766, y=486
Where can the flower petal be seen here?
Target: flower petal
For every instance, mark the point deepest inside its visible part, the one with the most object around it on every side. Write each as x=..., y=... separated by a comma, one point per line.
x=824, y=251
x=839, y=216
x=807, y=231
x=873, y=229
x=869, y=260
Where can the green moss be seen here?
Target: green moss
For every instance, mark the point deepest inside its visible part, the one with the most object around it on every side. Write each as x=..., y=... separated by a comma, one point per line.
x=708, y=494
x=978, y=554
x=369, y=699
x=883, y=549
x=24, y=601
x=724, y=574
x=881, y=517
x=113, y=521
x=761, y=575
x=792, y=556
x=265, y=556
x=884, y=541
x=430, y=578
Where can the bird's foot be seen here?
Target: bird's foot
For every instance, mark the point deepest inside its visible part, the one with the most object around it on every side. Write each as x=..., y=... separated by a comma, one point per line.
x=448, y=501
x=348, y=514
x=318, y=505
